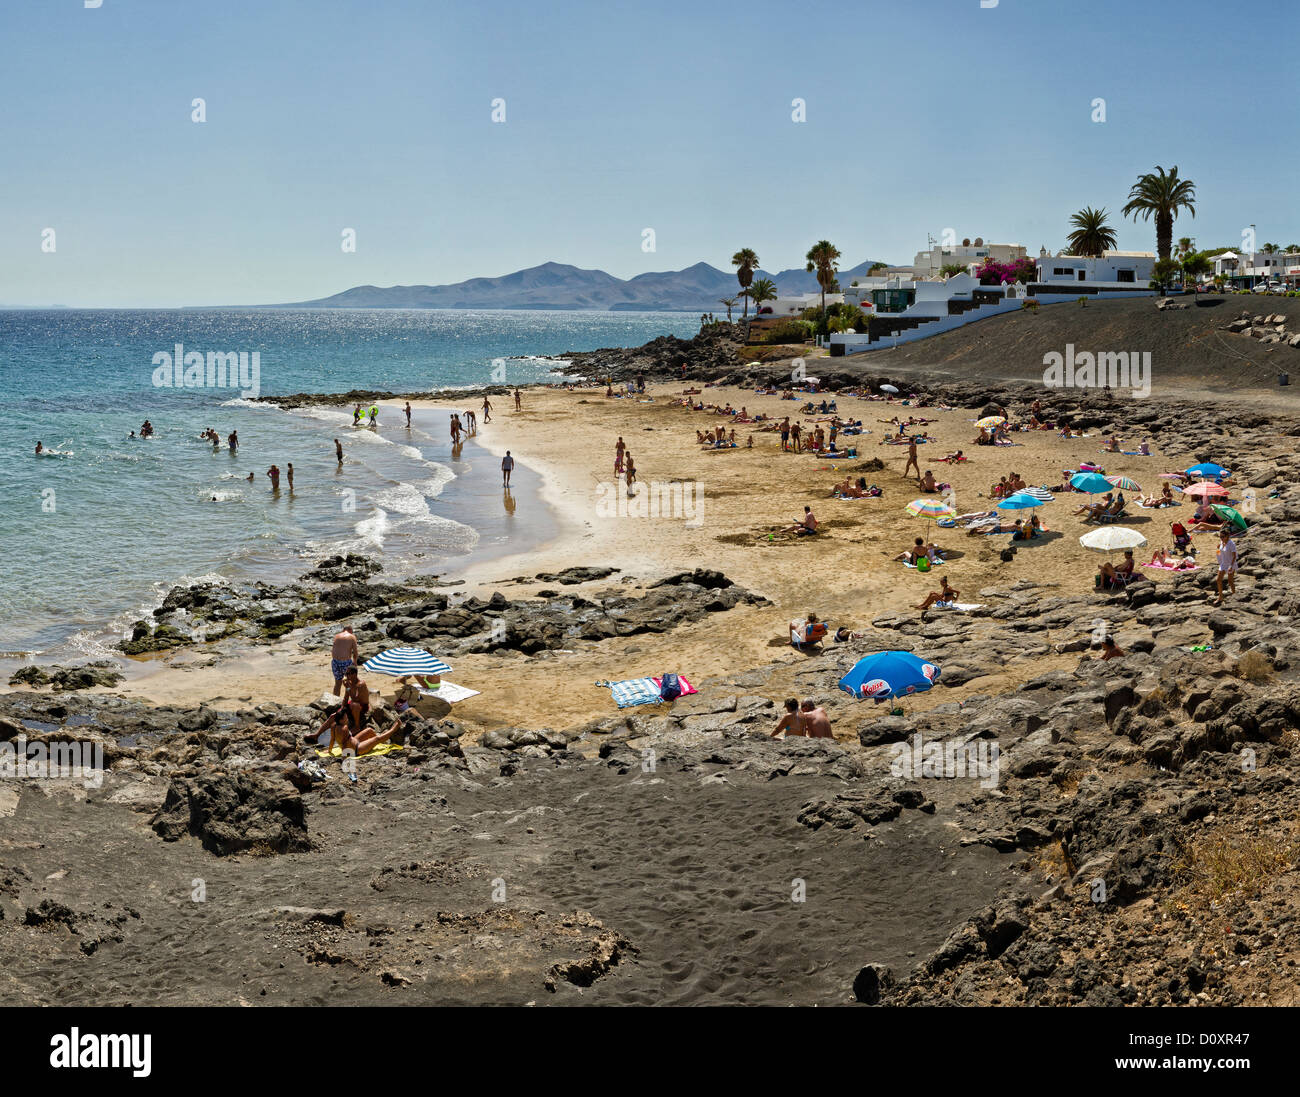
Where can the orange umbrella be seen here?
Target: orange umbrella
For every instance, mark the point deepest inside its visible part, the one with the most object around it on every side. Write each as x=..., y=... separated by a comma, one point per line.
x=1205, y=488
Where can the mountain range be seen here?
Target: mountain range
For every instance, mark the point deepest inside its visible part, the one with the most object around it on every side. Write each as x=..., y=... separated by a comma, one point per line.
x=561, y=286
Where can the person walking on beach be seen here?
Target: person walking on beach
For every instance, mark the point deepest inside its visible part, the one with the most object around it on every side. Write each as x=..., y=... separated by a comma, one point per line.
x=356, y=416
x=1227, y=564
x=912, y=462
x=233, y=441
x=455, y=430
x=487, y=410
x=289, y=474
x=274, y=473
x=343, y=653
x=629, y=471
x=507, y=466
x=518, y=402
x=407, y=409
x=618, y=456
x=338, y=450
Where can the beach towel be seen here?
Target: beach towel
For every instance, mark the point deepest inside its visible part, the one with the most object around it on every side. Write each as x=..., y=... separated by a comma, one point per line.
x=450, y=692
x=1135, y=453
x=1161, y=506
x=934, y=564
x=384, y=748
x=642, y=691
x=1171, y=567
x=964, y=607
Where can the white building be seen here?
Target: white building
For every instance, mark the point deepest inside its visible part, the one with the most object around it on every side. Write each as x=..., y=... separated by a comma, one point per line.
x=1250, y=269
x=794, y=306
x=1114, y=270
x=928, y=264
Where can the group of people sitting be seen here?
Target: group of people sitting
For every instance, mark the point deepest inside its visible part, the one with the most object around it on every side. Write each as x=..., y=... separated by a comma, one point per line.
x=1007, y=486
x=921, y=550
x=847, y=489
x=1113, y=578
x=350, y=722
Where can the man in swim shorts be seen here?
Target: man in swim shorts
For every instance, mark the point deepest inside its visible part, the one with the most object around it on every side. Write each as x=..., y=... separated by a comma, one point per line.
x=342, y=653
x=816, y=723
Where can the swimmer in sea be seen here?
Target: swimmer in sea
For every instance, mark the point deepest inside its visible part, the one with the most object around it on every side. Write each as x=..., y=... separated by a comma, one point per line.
x=40, y=448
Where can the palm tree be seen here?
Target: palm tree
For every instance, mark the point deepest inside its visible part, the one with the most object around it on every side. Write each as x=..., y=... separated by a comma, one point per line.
x=1195, y=263
x=822, y=257
x=1161, y=195
x=731, y=303
x=1091, y=235
x=877, y=266
x=1270, y=249
x=1184, y=247
x=762, y=290
x=746, y=262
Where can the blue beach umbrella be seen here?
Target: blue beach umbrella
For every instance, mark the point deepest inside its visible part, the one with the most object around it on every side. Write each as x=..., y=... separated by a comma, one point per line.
x=1092, y=482
x=407, y=660
x=1021, y=500
x=889, y=674
x=1209, y=470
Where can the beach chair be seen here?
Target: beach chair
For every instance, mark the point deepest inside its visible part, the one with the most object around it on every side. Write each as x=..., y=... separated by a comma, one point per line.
x=796, y=635
x=1113, y=516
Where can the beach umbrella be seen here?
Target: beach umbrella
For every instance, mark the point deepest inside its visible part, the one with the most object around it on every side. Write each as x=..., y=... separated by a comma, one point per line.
x=1208, y=469
x=1041, y=494
x=888, y=388
x=1112, y=539
x=1021, y=500
x=990, y=421
x=1123, y=483
x=1228, y=514
x=1171, y=476
x=889, y=674
x=929, y=508
x=1204, y=488
x=405, y=660
x=1091, y=482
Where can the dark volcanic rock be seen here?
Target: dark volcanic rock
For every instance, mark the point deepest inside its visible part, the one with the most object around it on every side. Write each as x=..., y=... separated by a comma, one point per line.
x=234, y=812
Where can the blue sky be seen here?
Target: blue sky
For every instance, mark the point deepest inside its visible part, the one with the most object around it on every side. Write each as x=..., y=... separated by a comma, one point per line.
x=375, y=115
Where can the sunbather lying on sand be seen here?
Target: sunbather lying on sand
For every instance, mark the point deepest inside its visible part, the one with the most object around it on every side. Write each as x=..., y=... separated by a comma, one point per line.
x=372, y=737
x=995, y=527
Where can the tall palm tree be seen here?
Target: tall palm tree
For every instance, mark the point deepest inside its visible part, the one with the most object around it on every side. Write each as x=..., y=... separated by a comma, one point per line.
x=731, y=303
x=1091, y=235
x=822, y=257
x=1161, y=195
x=746, y=262
x=762, y=290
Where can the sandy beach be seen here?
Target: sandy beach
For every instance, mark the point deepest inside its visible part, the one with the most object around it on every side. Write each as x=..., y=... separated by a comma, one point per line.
x=564, y=442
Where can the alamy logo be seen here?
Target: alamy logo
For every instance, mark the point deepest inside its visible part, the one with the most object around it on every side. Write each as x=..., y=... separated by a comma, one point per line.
x=102, y=1051
x=50, y=761
x=217, y=369
x=668, y=499
x=1107, y=369
x=947, y=758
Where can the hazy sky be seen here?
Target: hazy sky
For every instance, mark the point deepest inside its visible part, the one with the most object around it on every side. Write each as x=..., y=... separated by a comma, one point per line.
x=376, y=115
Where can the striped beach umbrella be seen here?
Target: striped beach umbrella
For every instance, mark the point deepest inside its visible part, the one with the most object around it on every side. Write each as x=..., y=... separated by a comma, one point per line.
x=1204, y=489
x=1123, y=483
x=1041, y=494
x=929, y=508
x=407, y=660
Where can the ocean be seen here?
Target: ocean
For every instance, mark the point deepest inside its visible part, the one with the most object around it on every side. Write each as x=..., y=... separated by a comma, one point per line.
x=93, y=535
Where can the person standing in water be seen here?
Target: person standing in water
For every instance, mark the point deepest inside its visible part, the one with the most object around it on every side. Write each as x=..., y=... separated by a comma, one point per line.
x=356, y=415
x=407, y=409
x=455, y=430
x=274, y=473
x=289, y=472
x=487, y=410
x=233, y=441
x=507, y=466
x=374, y=415
x=338, y=450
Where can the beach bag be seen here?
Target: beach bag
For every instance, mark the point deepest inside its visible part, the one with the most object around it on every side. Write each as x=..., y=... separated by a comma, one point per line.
x=670, y=688
x=922, y=563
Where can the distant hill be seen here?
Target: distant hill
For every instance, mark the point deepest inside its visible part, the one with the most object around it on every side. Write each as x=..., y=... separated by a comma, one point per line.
x=561, y=286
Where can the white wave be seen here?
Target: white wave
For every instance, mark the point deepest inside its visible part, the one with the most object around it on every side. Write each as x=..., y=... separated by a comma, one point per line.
x=226, y=496
x=240, y=402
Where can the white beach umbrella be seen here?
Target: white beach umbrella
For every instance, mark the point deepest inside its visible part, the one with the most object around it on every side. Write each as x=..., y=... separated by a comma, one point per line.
x=1112, y=539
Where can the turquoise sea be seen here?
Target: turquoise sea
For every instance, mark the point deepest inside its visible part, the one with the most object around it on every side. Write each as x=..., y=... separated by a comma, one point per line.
x=92, y=536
